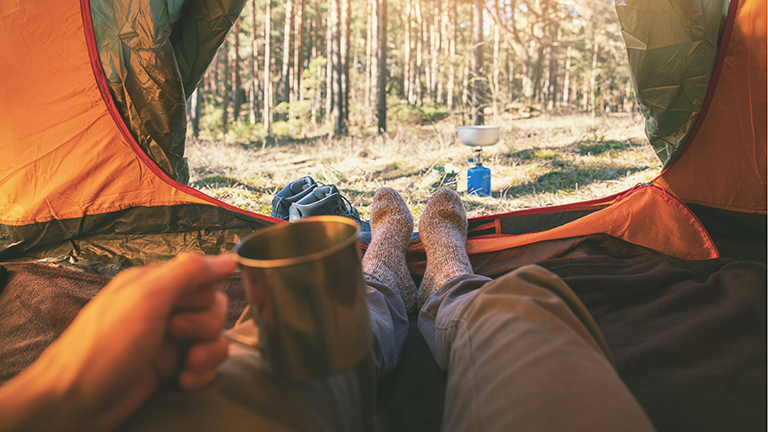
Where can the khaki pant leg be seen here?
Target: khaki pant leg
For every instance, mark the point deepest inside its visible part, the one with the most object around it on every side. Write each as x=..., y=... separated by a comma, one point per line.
x=522, y=354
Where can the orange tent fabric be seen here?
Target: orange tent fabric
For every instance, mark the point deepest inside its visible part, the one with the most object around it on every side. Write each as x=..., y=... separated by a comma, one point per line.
x=724, y=162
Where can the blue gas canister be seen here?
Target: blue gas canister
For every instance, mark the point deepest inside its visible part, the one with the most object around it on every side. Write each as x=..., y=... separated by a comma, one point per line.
x=479, y=180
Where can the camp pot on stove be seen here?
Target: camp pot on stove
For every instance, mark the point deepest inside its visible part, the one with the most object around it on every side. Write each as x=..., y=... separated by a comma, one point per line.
x=304, y=283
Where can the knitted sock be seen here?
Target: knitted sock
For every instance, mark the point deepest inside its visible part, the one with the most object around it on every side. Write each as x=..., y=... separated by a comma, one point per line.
x=384, y=262
x=443, y=229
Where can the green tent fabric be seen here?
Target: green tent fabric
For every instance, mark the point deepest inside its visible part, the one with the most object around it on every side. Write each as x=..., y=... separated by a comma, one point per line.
x=154, y=53
x=672, y=48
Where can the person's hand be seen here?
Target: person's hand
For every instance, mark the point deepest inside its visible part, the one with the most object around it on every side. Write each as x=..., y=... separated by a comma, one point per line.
x=149, y=326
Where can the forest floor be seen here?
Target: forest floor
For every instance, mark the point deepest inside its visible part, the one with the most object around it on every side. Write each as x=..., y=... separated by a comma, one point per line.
x=539, y=161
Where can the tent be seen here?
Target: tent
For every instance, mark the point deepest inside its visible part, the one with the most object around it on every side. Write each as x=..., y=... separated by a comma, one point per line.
x=92, y=121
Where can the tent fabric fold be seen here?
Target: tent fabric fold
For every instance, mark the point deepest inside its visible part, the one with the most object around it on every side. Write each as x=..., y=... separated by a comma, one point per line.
x=154, y=53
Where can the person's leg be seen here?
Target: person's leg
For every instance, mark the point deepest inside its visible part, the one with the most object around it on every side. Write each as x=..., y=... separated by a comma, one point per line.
x=245, y=396
x=521, y=352
x=391, y=290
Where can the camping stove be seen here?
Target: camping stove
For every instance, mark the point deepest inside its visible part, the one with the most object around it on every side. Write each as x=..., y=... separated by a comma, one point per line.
x=479, y=177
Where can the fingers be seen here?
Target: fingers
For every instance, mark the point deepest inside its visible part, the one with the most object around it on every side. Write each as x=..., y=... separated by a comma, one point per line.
x=201, y=363
x=188, y=273
x=202, y=324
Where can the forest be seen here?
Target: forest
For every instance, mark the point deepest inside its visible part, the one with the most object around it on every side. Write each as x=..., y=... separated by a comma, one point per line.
x=299, y=68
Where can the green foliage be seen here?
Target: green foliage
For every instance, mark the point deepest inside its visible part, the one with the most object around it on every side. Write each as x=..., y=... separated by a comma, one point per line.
x=281, y=128
x=420, y=115
x=600, y=147
x=244, y=131
x=211, y=120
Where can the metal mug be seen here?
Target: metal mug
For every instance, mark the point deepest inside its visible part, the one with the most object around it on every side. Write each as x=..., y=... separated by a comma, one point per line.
x=304, y=283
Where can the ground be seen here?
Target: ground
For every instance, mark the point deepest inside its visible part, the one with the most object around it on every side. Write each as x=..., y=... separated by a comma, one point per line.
x=540, y=161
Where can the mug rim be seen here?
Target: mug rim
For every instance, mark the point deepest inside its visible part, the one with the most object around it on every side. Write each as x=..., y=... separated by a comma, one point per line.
x=301, y=259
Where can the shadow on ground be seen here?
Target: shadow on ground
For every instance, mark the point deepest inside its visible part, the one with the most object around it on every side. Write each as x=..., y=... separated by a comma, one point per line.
x=567, y=177
x=220, y=181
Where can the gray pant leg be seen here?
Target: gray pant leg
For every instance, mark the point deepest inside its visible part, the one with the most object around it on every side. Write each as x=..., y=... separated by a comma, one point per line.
x=245, y=397
x=522, y=353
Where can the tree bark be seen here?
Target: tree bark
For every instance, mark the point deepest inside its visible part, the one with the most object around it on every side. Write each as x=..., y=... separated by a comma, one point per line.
x=434, y=50
x=196, y=108
x=452, y=54
x=225, y=86
x=478, y=116
x=345, y=31
x=289, y=12
x=496, y=66
x=407, y=82
x=567, y=79
x=510, y=76
x=373, y=74
x=419, y=57
x=465, y=82
x=329, y=52
x=444, y=54
x=236, y=72
x=629, y=99
x=593, y=78
x=552, y=91
x=314, y=33
x=253, y=109
x=382, y=67
x=298, y=51
x=369, y=52
x=265, y=114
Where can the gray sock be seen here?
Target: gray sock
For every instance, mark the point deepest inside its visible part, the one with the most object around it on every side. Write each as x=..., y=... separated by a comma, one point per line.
x=384, y=262
x=443, y=230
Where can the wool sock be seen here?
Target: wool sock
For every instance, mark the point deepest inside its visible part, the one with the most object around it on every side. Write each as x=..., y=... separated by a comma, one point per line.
x=443, y=230
x=384, y=262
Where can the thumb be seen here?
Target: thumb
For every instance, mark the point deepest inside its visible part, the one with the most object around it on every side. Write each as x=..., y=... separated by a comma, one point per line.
x=188, y=273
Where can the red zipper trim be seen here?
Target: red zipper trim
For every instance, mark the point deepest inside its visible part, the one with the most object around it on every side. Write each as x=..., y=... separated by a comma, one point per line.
x=581, y=205
x=730, y=19
x=106, y=95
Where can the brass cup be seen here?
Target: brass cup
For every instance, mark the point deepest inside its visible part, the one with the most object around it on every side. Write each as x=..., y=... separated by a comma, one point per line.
x=304, y=283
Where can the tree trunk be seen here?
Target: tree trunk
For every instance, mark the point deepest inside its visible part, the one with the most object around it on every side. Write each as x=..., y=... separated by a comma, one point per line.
x=407, y=82
x=373, y=73
x=465, y=82
x=225, y=86
x=265, y=114
x=496, y=67
x=196, y=108
x=236, y=72
x=478, y=116
x=552, y=92
x=253, y=109
x=346, y=28
x=382, y=68
x=510, y=76
x=298, y=51
x=585, y=91
x=329, y=50
x=419, y=58
x=369, y=52
x=567, y=80
x=452, y=55
x=593, y=78
x=435, y=37
x=314, y=33
x=628, y=97
x=289, y=12
x=443, y=53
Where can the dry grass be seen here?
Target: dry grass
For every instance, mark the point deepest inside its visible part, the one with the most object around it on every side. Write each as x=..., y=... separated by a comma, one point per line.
x=539, y=162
